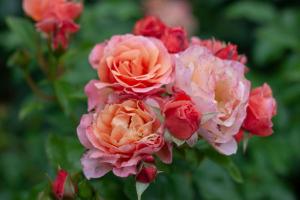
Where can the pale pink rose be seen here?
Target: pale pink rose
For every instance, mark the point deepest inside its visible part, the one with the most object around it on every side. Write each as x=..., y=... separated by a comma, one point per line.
x=119, y=137
x=132, y=63
x=220, y=91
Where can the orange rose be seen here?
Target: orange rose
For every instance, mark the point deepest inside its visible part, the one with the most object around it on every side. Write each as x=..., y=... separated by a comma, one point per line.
x=119, y=137
x=133, y=63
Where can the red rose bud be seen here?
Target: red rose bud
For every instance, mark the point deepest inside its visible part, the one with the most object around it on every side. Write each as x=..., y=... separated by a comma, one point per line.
x=175, y=39
x=62, y=186
x=149, y=26
x=261, y=109
x=147, y=174
x=239, y=136
x=182, y=117
x=149, y=159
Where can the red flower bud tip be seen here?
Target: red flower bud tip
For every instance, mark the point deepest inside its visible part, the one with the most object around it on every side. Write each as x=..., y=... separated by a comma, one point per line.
x=149, y=159
x=239, y=136
x=147, y=174
x=59, y=184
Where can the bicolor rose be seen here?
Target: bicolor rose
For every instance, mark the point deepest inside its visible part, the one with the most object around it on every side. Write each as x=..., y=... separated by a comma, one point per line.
x=119, y=137
x=262, y=107
x=135, y=64
x=219, y=89
x=182, y=118
x=55, y=18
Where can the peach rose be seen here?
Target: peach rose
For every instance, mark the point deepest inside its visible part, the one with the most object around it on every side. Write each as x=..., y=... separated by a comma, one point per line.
x=261, y=109
x=118, y=137
x=132, y=63
x=55, y=18
x=220, y=49
x=219, y=90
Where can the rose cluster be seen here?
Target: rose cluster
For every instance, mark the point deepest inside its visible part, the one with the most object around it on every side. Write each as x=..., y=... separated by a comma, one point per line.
x=157, y=86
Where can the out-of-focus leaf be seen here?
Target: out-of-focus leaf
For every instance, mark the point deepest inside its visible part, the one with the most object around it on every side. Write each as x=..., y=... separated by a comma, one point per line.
x=256, y=11
x=226, y=162
x=64, y=152
x=30, y=106
x=62, y=91
x=24, y=33
x=84, y=190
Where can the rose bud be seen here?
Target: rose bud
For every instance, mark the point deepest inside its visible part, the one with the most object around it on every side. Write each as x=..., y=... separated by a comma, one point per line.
x=182, y=117
x=175, y=39
x=62, y=186
x=239, y=136
x=262, y=107
x=149, y=26
x=147, y=174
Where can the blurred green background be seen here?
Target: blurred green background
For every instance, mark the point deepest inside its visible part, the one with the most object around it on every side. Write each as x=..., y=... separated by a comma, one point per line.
x=36, y=135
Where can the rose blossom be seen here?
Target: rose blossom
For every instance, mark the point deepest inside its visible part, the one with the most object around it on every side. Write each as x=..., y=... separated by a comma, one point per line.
x=181, y=116
x=219, y=90
x=175, y=39
x=149, y=26
x=132, y=63
x=118, y=137
x=55, y=18
x=261, y=109
x=220, y=49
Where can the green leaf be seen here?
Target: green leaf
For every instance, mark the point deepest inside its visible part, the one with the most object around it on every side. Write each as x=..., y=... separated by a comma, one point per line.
x=23, y=32
x=226, y=162
x=141, y=188
x=30, y=106
x=85, y=191
x=255, y=11
x=64, y=152
x=63, y=91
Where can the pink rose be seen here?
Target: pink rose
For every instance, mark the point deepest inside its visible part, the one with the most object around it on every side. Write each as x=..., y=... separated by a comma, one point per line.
x=118, y=137
x=261, y=109
x=55, y=18
x=220, y=91
x=175, y=39
x=181, y=116
x=220, y=49
x=132, y=63
x=149, y=26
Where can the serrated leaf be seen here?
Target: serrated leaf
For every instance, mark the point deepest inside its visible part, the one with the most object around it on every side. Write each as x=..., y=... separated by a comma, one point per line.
x=141, y=188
